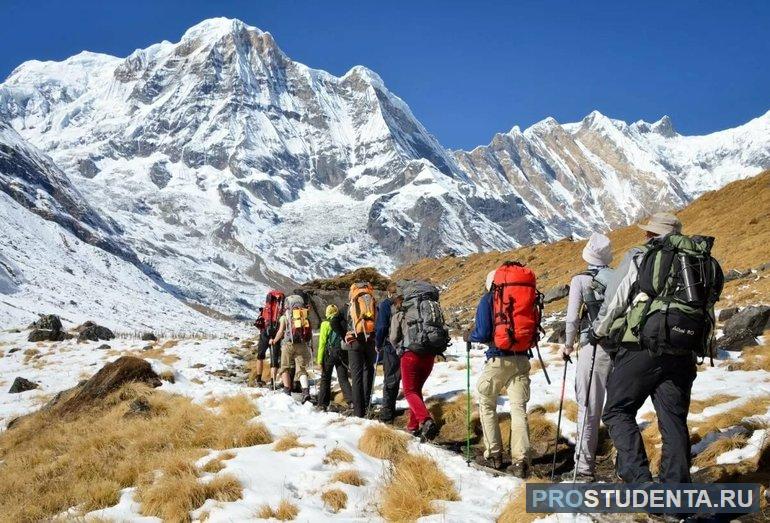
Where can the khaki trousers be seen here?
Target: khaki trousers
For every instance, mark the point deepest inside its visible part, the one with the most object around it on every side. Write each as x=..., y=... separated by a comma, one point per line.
x=295, y=355
x=511, y=372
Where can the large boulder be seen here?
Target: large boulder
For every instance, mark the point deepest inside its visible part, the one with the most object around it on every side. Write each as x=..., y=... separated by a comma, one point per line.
x=95, y=333
x=47, y=335
x=726, y=314
x=50, y=322
x=111, y=377
x=737, y=340
x=21, y=385
x=559, y=334
x=753, y=319
x=556, y=293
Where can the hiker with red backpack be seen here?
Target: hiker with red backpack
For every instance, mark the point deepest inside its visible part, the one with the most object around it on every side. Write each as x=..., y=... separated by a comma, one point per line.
x=295, y=333
x=658, y=315
x=267, y=324
x=586, y=295
x=508, y=322
x=418, y=334
x=359, y=342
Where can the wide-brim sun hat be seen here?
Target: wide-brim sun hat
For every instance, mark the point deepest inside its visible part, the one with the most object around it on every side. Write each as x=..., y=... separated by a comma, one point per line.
x=662, y=223
x=598, y=250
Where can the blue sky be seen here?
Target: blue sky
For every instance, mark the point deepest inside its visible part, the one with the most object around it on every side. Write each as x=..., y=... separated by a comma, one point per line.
x=467, y=69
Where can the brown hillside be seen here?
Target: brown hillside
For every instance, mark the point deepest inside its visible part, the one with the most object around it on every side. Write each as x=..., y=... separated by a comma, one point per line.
x=737, y=215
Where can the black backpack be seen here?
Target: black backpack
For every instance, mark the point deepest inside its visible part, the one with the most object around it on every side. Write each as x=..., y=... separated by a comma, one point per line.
x=425, y=331
x=683, y=282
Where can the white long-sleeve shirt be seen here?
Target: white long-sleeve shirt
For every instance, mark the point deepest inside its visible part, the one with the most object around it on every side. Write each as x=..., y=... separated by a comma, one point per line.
x=617, y=296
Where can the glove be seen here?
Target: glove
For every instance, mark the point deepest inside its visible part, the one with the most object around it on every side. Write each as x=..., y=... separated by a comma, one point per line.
x=565, y=351
x=467, y=334
x=593, y=338
x=350, y=338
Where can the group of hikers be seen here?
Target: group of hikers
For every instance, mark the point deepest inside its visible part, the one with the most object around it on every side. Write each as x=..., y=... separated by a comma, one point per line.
x=639, y=330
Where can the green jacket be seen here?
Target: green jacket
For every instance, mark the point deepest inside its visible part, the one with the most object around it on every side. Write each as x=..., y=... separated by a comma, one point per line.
x=327, y=339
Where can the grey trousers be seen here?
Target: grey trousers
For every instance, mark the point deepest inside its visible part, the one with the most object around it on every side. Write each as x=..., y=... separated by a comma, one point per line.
x=590, y=433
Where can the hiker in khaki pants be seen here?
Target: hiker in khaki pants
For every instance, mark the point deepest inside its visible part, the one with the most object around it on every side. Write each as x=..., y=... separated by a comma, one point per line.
x=499, y=372
x=502, y=369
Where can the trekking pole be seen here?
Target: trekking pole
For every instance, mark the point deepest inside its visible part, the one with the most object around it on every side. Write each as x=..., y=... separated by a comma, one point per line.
x=567, y=360
x=542, y=364
x=468, y=403
x=585, y=413
x=272, y=371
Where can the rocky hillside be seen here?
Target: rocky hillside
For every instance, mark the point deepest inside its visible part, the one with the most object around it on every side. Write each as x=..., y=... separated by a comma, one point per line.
x=222, y=166
x=737, y=215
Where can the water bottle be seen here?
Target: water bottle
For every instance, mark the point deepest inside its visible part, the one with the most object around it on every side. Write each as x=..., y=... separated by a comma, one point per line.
x=691, y=285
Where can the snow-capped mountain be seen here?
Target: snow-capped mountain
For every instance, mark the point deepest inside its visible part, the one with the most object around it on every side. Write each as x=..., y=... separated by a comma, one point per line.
x=223, y=166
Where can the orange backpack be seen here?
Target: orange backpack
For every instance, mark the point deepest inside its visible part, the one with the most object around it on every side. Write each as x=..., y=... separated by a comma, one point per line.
x=517, y=308
x=363, y=308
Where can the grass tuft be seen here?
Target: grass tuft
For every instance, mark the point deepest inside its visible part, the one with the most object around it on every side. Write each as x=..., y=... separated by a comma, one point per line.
x=515, y=510
x=335, y=499
x=382, y=442
x=285, y=511
x=709, y=455
x=337, y=456
x=415, y=482
x=349, y=477
x=290, y=441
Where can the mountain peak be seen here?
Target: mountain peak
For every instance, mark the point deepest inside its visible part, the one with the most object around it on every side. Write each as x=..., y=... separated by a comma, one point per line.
x=664, y=127
x=217, y=27
x=365, y=74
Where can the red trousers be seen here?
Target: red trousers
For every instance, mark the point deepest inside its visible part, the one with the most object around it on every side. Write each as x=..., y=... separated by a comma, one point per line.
x=415, y=369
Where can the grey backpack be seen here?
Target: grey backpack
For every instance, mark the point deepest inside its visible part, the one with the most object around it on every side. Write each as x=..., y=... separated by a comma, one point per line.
x=425, y=331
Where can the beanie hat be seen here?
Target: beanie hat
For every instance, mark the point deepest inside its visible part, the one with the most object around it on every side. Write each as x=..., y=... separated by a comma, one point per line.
x=331, y=310
x=490, y=279
x=598, y=250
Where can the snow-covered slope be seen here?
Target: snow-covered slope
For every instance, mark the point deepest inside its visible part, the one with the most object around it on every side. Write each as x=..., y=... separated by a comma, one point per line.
x=226, y=167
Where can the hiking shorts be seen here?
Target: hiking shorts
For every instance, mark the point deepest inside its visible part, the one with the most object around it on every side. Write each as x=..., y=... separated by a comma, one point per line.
x=295, y=356
x=264, y=346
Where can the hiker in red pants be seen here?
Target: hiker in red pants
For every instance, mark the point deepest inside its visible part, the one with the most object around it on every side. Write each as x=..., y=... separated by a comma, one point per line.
x=418, y=333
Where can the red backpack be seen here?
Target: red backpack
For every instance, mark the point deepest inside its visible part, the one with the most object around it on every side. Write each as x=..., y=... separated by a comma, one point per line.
x=272, y=311
x=517, y=307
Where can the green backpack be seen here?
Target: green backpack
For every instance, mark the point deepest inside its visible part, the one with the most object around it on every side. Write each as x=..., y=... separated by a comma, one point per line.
x=672, y=301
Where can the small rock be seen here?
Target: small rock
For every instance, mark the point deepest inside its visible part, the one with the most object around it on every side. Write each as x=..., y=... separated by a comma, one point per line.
x=556, y=293
x=15, y=349
x=139, y=407
x=21, y=385
x=737, y=340
x=222, y=373
x=103, y=347
x=197, y=366
x=47, y=335
x=559, y=334
x=148, y=347
x=753, y=319
x=726, y=314
x=764, y=267
x=95, y=333
x=149, y=336
x=50, y=322
x=735, y=274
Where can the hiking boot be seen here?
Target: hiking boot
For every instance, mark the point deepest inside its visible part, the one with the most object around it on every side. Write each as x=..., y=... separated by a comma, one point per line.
x=414, y=432
x=259, y=384
x=519, y=468
x=581, y=477
x=287, y=391
x=306, y=396
x=429, y=430
x=492, y=462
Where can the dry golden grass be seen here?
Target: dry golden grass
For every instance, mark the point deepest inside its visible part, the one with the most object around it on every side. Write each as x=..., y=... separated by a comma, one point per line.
x=290, y=441
x=382, y=442
x=709, y=455
x=541, y=429
x=169, y=344
x=698, y=406
x=285, y=511
x=741, y=414
x=239, y=405
x=570, y=410
x=755, y=358
x=652, y=440
x=737, y=215
x=52, y=463
x=349, y=477
x=337, y=456
x=167, y=375
x=157, y=353
x=335, y=499
x=515, y=510
x=216, y=464
x=415, y=482
x=451, y=417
